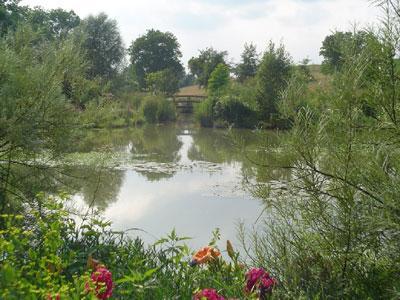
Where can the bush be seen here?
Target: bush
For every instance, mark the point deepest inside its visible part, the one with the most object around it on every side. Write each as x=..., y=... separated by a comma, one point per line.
x=204, y=113
x=235, y=112
x=105, y=114
x=158, y=109
x=166, y=111
x=150, y=109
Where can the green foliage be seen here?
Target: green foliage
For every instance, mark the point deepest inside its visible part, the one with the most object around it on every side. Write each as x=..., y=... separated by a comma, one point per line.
x=158, y=110
x=156, y=51
x=219, y=80
x=204, y=112
x=46, y=252
x=104, y=114
x=248, y=66
x=334, y=233
x=165, y=82
x=150, y=109
x=203, y=65
x=235, y=112
x=187, y=80
x=337, y=44
x=35, y=115
x=10, y=15
x=103, y=44
x=297, y=94
x=125, y=82
x=238, y=107
x=272, y=76
x=53, y=24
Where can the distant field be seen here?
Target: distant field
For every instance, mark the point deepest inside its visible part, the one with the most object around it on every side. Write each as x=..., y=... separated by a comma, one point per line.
x=321, y=80
x=192, y=90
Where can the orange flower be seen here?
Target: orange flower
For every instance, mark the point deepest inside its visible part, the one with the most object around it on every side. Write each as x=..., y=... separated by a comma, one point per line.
x=205, y=255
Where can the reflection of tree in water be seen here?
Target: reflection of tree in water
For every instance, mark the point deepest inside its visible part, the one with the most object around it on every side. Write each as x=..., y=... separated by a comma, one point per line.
x=157, y=143
x=150, y=142
x=156, y=176
x=26, y=181
x=217, y=146
x=92, y=140
x=99, y=187
x=257, y=152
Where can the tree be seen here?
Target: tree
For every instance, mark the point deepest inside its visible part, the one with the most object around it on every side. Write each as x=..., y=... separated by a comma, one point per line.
x=35, y=117
x=103, y=45
x=164, y=82
x=187, y=80
x=153, y=52
x=219, y=80
x=336, y=222
x=247, y=68
x=203, y=65
x=10, y=14
x=272, y=77
x=55, y=23
x=335, y=45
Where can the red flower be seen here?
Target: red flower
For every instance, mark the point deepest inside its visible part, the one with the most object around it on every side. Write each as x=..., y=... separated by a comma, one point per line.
x=102, y=281
x=259, y=279
x=208, y=294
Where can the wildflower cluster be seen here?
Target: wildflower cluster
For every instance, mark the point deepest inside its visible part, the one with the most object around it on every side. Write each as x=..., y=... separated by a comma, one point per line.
x=102, y=281
x=64, y=268
x=208, y=294
x=258, y=281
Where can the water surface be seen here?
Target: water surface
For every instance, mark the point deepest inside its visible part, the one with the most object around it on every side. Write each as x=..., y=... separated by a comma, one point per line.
x=157, y=178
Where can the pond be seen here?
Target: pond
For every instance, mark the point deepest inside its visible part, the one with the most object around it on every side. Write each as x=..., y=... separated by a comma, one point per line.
x=157, y=178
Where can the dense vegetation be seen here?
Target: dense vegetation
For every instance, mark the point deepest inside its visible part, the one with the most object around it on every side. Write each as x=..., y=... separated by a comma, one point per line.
x=336, y=218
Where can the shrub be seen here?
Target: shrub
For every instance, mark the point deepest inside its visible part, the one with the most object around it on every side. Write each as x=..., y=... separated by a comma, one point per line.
x=150, y=110
x=158, y=109
x=105, y=114
x=166, y=111
x=236, y=112
x=204, y=113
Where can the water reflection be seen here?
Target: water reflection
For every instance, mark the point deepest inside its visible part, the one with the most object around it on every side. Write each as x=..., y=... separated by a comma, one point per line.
x=163, y=177
x=97, y=186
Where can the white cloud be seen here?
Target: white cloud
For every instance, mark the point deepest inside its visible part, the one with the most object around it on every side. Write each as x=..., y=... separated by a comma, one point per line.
x=228, y=24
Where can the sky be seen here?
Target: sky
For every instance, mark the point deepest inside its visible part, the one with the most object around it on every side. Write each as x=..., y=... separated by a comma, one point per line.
x=228, y=24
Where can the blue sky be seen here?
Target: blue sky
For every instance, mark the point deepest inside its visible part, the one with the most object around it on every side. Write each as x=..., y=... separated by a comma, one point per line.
x=227, y=24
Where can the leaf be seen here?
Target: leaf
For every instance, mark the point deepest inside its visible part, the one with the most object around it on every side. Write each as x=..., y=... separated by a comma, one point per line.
x=150, y=273
x=161, y=241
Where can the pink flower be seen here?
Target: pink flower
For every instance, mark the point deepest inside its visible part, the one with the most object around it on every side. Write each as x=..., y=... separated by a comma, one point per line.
x=267, y=283
x=102, y=281
x=208, y=294
x=253, y=277
x=259, y=279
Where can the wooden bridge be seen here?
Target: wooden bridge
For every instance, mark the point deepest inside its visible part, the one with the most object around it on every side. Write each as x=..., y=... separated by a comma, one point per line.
x=187, y=97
